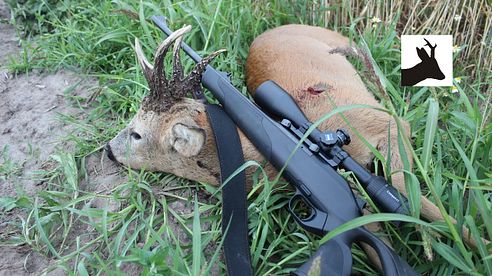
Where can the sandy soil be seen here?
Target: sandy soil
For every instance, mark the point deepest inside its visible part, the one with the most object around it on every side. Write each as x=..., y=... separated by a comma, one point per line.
x=8, y=40
x=18, y=260
x=30, y=131
x=30, y=126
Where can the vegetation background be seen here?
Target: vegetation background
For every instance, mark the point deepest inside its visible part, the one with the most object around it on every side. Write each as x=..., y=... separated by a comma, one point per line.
x=451, y=135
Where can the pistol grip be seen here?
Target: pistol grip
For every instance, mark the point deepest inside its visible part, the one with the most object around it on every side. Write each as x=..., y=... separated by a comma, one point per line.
x=335, y=258
x=391, y=263
x=332, y=258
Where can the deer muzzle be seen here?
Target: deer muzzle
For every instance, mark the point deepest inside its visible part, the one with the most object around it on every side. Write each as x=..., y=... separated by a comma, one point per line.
x=109, y=152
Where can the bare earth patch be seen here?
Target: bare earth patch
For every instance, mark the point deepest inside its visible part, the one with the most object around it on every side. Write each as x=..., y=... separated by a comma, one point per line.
x=31, y=130
x=29, y=133
x=8, y=41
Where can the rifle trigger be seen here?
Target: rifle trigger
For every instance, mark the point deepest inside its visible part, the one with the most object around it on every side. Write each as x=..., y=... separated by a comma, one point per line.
x=308, y=216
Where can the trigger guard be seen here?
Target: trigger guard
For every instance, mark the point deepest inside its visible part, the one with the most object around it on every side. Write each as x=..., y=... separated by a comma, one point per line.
x=299, y=196
x=316, y=221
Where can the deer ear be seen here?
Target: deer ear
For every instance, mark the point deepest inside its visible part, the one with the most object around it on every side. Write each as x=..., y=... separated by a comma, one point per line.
x=422, y=53
x=187, y=141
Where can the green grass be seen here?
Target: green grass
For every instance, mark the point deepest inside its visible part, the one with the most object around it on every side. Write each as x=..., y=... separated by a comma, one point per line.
x=451, y=141
x=8, y=167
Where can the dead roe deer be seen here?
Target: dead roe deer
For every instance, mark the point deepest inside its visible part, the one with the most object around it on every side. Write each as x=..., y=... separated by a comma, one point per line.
x=171, y=133
x=427, y=68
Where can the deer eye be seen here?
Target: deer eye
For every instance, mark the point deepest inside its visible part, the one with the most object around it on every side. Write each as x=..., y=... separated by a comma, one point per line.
x=135, y=136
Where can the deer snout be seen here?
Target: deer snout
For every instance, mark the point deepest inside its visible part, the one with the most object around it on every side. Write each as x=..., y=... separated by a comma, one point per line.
x=109, y=152
x=440, y=76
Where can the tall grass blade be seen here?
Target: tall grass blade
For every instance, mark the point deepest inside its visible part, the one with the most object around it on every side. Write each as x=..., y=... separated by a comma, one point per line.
x=430, y=132
x=361, y=221
x=197, y=240
x=482, y=248
x=478, y=196
x=448, y=253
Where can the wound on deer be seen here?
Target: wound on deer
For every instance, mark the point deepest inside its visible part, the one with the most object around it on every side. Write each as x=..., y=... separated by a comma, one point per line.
x=317, y=88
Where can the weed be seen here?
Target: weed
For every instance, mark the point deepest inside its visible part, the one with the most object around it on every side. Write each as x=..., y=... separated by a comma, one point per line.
x=34, y=17
x=8, y=167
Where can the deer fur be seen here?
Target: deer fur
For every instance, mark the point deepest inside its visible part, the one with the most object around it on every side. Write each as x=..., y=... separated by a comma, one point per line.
x=172, y=134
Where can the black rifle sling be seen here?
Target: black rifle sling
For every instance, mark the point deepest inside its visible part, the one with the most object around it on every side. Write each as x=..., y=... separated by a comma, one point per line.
x=234, y=208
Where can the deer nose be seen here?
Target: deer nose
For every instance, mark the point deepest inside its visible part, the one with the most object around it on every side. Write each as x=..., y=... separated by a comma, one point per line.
x=109, y=152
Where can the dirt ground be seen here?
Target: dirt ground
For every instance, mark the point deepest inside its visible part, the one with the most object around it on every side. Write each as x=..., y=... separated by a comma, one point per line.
x=30, y=131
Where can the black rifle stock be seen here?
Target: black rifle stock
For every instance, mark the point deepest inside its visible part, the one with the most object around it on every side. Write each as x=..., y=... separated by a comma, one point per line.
x=316, y=183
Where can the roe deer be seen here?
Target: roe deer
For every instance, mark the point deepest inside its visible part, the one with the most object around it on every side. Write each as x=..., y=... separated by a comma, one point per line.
x=171, y=133
x=427, y=68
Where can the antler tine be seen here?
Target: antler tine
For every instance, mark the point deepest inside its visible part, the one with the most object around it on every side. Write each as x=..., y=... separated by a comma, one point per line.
x=429, y=44
x=144, y=63
x=177, y=67
x=431, y=47
x=195, y=76
x=159, y=78
x=164, y=93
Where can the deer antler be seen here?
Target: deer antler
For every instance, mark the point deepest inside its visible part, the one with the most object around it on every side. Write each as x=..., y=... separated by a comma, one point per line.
x=163, y=92
x=432, y=48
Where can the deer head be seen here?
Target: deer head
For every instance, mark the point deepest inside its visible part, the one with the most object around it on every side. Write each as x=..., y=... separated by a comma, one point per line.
x=427, y=68
x=169, y=132
x=429, y=62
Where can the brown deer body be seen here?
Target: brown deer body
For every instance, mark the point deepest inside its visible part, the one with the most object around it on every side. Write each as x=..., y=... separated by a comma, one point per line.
x=171, y=133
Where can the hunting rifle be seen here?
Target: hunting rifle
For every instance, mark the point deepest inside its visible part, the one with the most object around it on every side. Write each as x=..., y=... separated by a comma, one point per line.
x=275, y=125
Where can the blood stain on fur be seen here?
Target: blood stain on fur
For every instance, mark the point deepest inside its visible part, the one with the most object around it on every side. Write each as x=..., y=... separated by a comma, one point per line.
x=317, y=88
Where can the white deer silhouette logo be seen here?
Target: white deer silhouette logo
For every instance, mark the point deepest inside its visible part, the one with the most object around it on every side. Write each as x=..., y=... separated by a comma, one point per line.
x=427, y=68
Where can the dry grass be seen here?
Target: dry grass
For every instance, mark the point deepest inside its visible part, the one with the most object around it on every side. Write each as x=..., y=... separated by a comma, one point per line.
x=469, y=21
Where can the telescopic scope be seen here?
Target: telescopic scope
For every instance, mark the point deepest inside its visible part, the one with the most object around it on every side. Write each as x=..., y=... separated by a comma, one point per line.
x=279, y=105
